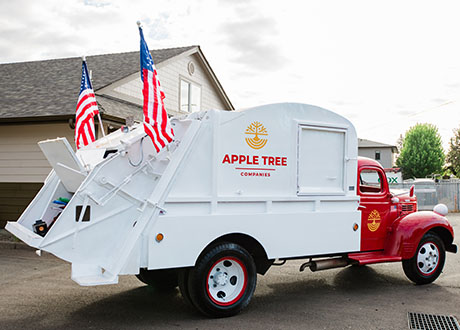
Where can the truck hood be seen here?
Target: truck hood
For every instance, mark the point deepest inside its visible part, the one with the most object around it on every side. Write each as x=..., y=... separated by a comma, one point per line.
x=400, y=192
x=403, y=195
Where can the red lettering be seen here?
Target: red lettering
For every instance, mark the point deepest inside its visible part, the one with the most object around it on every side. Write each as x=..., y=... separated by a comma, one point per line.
x=256, y=174
x=226, y=159
x=255, y=160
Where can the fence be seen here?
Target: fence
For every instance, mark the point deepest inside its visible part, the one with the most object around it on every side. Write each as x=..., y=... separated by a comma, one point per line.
x=430, y=193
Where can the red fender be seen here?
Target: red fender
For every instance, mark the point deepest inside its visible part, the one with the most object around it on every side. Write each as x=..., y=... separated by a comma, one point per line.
x=405, y=233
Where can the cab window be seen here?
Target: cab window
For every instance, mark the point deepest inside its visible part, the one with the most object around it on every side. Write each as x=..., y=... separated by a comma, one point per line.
x=370, y=182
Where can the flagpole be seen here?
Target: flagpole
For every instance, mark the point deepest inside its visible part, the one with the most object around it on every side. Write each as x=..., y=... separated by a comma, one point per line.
x=98, y=113
x=100, y=122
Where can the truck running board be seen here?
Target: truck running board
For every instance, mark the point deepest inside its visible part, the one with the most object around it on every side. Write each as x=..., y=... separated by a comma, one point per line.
x=361, y=258
x=366, y=258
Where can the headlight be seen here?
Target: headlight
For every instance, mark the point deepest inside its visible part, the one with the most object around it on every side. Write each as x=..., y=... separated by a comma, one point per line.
x=441, y=209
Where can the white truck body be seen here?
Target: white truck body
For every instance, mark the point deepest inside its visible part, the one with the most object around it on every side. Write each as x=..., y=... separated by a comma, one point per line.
x=283, y=174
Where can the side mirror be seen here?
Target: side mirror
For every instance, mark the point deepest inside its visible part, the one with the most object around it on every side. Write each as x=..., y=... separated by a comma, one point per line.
x=411, y=191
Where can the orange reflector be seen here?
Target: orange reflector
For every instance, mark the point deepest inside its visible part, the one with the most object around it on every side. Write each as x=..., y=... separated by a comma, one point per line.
x=159, y=237
x=41, y=228
x=355, y=227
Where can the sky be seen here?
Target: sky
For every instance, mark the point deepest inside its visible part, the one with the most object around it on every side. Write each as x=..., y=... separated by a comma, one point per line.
x=384, y=65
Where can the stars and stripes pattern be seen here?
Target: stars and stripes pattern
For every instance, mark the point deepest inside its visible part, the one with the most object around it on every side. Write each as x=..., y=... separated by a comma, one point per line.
x=156, y=122
x=86, y=110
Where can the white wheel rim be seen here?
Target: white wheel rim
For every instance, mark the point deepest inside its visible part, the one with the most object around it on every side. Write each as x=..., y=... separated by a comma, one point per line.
x=226, y=281
x=428, y=258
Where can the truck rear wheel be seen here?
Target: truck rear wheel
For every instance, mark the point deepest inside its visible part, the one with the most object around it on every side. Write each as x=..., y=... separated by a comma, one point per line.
x=223, y=281
x=427, y=263
x=162, y=279
x=183, y=285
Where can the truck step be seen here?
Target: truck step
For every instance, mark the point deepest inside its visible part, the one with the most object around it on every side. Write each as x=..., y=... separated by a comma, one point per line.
x=89, y=275
x=95, y=280
x=365, y=258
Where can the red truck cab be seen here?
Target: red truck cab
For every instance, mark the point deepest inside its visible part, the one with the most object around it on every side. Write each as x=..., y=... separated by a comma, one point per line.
x=393, y=230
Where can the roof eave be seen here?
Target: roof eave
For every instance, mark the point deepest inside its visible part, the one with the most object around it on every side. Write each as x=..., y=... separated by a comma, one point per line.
x=37, y=120
x=54, y=119
x=191, y=51
x=216, y=81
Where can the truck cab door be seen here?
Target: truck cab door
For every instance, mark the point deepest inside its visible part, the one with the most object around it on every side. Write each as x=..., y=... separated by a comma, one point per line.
x=375, y=207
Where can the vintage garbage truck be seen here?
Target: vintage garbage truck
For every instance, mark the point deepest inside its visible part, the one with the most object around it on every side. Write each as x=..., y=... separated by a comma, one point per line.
x=234, y=192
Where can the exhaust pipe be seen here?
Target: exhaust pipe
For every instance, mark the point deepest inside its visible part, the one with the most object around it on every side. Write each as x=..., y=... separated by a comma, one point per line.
x=325, y=264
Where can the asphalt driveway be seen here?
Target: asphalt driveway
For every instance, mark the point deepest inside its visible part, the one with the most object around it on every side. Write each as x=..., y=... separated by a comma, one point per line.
x=37, y=293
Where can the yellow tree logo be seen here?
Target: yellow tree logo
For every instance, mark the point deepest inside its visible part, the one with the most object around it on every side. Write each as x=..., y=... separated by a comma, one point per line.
x=255, y=135
x=373, y=221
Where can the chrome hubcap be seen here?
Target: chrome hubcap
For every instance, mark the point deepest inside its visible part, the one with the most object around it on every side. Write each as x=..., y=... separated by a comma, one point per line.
x=427, y=258
x=220, y=278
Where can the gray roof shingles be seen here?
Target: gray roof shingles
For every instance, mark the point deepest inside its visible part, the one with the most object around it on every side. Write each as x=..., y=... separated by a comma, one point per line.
x=50, y=88
x=118, y=109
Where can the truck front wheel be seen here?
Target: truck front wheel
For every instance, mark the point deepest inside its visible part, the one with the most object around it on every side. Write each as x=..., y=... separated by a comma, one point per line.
x=427, y=263
x=223, y=281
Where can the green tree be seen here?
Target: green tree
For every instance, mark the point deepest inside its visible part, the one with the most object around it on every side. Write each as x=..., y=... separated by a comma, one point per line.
x=453, y=156
x=421, y=154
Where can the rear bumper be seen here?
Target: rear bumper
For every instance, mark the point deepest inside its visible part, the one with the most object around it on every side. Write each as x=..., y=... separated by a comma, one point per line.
x=452, y=248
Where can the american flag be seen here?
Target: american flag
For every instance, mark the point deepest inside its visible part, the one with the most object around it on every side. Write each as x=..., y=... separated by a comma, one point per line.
x=86, y=110
x=156, y=122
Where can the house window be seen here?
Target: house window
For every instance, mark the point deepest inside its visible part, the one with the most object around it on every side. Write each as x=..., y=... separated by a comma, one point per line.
x=190, y=96
x=377, y=155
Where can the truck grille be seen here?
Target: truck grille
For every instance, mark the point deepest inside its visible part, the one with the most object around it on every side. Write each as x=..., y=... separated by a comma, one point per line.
x=407, y=208
x=420, y=321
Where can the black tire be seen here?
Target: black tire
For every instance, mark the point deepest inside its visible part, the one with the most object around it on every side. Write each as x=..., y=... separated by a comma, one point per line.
x=183, y=285
x=223, y=281
x=162, y=280
x=427, y=263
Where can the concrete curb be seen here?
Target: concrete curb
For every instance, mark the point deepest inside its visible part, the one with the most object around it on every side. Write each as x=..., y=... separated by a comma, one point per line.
x=9, y=242
x=14, y=246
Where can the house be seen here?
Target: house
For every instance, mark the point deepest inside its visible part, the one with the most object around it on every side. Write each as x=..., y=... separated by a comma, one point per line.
x=38, y=101
x=381, y=152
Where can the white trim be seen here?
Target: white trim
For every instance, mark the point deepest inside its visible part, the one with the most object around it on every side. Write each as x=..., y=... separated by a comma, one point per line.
x=190, y=82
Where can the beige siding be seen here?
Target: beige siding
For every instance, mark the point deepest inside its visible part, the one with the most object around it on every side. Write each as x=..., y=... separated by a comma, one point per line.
x=21, y=160
x=132, y=89
x=169, y=76
x=14, y=198
x=386, y=156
